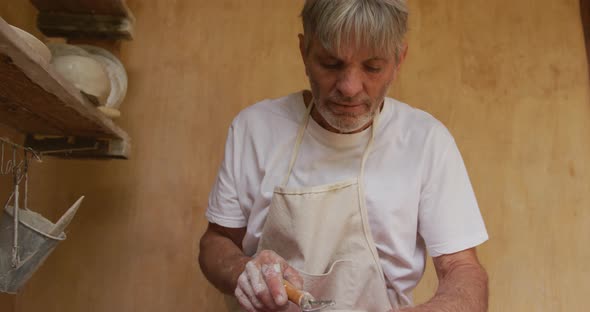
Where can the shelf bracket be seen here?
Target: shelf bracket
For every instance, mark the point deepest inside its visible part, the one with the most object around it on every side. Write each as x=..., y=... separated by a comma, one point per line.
x=78, y=147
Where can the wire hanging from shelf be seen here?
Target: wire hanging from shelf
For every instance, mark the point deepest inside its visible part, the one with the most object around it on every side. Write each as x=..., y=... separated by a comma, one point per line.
x=19, y=169
x=11, y=166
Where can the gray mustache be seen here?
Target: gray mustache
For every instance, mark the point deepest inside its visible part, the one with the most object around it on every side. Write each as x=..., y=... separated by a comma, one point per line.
x=348, y=100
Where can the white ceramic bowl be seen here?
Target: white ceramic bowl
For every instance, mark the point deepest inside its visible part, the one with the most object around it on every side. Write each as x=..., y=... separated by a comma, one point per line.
x=116, y=72
x=61, y=49
x=86, y=74
x=35, y=44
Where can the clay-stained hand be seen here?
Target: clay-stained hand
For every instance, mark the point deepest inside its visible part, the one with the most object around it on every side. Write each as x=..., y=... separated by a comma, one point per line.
x=260, y=286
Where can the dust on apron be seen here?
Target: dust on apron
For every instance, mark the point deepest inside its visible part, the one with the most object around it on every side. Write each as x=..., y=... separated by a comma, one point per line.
x=323, y=232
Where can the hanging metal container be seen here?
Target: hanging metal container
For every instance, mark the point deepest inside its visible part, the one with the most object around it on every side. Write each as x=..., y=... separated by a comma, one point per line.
x=37, y=238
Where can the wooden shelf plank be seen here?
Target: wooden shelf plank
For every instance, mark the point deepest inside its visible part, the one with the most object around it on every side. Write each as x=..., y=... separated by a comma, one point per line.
x=77, y=26
x=102, y=7
x=105, y=19
x=35, y=99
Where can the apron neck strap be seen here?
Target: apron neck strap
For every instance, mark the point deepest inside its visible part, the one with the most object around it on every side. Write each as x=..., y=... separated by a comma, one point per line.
x=369, y=145
x=298, y=141
x=301, y=132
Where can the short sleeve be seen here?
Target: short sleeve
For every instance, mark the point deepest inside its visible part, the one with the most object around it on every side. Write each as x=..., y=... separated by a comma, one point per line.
x=224, y=207
x=449, y=219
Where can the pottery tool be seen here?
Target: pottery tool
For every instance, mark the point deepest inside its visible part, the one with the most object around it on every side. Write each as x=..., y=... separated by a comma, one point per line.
x=305, y=300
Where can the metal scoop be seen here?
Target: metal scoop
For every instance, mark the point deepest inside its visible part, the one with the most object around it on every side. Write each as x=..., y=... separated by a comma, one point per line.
x=305, y=300
x=311, y=304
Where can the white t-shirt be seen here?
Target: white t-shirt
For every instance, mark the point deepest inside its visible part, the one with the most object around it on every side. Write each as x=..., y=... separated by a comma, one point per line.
x=418, y=194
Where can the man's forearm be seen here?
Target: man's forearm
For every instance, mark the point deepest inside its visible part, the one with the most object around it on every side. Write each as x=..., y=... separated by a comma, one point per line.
x=221, y=261
x=463, y=289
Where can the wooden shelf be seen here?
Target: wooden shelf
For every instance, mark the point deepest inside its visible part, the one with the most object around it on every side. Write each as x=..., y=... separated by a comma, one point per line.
x=88, y=19
x=35, y=99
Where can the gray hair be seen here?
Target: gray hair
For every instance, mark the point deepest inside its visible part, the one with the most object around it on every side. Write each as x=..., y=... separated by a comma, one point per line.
x=377, y=24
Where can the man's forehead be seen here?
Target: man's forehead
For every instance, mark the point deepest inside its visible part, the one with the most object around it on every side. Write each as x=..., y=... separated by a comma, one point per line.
x=349, y=49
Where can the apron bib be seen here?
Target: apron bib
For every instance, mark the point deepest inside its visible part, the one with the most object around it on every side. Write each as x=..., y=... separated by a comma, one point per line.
x=323, y=232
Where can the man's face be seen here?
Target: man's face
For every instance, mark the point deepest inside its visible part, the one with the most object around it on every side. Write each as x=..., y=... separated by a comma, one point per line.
x=348, y=87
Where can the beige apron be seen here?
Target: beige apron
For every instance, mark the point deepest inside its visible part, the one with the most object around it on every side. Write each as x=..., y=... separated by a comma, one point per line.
x=323, y=232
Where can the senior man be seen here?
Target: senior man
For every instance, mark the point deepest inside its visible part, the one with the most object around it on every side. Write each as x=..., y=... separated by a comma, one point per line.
x=341, y=190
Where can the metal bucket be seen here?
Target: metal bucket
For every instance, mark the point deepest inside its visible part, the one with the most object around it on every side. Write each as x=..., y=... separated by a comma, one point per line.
x=36, y=240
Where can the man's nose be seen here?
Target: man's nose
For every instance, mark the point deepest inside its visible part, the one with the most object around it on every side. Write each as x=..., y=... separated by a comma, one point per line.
x=350, y=82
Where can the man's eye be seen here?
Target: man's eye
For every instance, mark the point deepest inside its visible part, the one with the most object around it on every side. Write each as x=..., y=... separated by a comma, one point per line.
x=373, y=69
x=331, y=65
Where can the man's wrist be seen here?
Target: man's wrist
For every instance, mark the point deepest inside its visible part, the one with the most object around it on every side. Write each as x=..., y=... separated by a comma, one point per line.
x=238, y=267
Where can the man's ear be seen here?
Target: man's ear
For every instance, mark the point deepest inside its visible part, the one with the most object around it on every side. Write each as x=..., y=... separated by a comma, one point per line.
x=301, y=46
x=402, y=55
x=303, y=52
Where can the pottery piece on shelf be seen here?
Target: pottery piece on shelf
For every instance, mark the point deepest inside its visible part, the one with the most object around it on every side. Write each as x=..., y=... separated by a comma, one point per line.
x=86, y=74
x=61, y=49
x=116, y=72
x=35, y=44
x=110, y=112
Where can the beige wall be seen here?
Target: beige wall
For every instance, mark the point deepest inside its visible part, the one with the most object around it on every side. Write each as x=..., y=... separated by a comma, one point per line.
x=507, y=77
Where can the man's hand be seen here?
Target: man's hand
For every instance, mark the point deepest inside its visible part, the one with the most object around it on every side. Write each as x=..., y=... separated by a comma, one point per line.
x=256, y=282
x=260, y=286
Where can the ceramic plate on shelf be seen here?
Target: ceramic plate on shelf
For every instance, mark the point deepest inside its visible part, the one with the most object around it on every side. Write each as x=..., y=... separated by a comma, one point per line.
x=116, y=72
x=35, y=44
x=61, y=49
x=86, y=74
